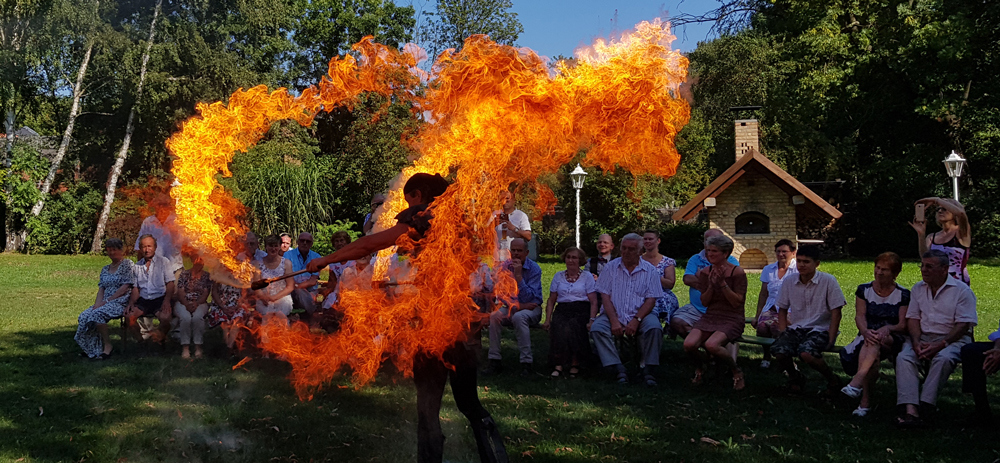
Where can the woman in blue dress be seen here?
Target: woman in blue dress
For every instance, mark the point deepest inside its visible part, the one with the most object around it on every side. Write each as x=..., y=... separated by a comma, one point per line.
x=665, y=267
x=881, y=318
x=117, y=279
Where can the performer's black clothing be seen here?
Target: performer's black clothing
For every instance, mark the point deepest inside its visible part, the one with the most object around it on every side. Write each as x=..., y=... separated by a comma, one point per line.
x=973, y=376
x=431, y=373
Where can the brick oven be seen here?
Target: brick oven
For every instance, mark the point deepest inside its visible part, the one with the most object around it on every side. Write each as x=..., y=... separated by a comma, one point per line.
x=756, y=203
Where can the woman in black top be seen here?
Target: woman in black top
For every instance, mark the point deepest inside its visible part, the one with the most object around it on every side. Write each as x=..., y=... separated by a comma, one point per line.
x=430, y=373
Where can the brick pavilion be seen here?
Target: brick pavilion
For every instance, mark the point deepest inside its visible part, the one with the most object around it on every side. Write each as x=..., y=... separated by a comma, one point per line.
x=757, y=203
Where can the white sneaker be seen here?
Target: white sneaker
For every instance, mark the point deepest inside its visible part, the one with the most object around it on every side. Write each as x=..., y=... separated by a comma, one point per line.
x=765, y=364
x=860, y=411
x=852, y=392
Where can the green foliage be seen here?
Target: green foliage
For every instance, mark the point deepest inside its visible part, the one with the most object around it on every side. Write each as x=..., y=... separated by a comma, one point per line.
x=327, y=28
x=362, y=150
x=21, y=180
x=66, y=225
x=456, y=20
x=322, y=238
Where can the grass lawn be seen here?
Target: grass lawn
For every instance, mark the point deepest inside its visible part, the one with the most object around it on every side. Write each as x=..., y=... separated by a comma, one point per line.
x=57, y=407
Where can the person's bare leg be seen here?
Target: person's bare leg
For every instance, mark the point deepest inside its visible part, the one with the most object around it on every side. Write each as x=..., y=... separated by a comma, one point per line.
x=868, y=356
x=185, y=351
x=867, y=385
x=818, y=364
x=102, y=329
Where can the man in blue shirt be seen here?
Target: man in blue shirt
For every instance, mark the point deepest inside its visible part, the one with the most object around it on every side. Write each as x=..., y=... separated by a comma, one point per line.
x=520, y=314
x=685, y=317
x=304, y=295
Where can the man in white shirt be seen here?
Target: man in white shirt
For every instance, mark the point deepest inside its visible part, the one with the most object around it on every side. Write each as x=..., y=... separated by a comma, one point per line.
x=809, y=313
x=629, y=287
x=511, y=223
x=162, y=228
x=154, y=286
x=939, y=320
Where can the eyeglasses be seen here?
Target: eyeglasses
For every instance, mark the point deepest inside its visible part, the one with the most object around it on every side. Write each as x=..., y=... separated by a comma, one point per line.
x=376, y=204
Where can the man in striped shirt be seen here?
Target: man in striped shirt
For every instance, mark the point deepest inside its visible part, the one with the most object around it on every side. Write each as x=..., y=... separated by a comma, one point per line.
x=629, y=287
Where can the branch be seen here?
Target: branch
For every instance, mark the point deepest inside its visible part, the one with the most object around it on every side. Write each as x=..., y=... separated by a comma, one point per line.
x=729, y=18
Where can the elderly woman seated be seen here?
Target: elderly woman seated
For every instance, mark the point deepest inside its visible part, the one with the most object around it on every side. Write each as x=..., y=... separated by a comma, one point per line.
x=723, y=289
x=276, y=298
x=113, y=290
x=575, y=291
x=230, y=301
x=191, y=306
x=881, y=318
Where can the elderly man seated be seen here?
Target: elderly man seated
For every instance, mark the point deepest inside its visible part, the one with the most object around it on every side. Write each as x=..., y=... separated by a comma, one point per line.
x=629, y=287
x=520, y=314
x=979, y=360
x=940, y=318
x=306, y=284
x=154, y=286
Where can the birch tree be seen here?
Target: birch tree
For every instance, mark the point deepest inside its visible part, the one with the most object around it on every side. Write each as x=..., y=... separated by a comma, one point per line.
x=74, y=111
x=129, y=128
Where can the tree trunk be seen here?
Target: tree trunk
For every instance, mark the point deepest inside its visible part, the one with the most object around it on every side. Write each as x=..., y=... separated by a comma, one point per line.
x=74, y=110
x=109, y=198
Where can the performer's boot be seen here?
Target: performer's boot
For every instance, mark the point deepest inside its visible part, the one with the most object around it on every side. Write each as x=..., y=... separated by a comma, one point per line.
x=489, y=441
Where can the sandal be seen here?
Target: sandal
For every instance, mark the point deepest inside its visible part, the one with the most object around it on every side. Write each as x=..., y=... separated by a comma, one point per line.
x=861, y=411
x=738, y=381
x=573, y=371
x=650, y=380
x=698, y=377
x=909, y=421
x=622, y=378
x=556, y=372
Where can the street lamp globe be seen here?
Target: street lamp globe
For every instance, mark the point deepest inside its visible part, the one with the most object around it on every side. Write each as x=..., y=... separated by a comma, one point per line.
x=578, y=176
x=954, y=164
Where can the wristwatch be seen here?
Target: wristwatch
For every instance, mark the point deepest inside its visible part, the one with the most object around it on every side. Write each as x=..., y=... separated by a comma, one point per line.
x=638, y=318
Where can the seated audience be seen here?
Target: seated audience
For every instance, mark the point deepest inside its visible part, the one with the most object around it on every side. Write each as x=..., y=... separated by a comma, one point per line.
x=665, y=267
x=153, y=290
x=251, y=249
x=605, y=246
x=575, y=290
x=511, y=223
x=229, y=303
x=113, y=290
x=275, y=298
x=979, y=360
x=685, y=317
x=338, y=240
x=939, y=320
x=193, y=288
x=357, y=277
x=520, y=314
x=881, y=318
x=771, y=278
x=629, y=287
x=304, y=294
x=286, y=242
x=724, y=293
x=809, y=311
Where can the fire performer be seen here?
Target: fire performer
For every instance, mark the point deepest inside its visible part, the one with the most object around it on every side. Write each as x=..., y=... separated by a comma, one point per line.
x=429, y=372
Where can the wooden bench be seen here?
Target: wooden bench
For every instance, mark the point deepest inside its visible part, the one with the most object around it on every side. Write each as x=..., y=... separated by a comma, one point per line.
x=761, y=341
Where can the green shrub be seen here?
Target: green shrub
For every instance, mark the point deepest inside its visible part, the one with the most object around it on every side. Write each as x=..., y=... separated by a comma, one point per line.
x=66, y=224
x=321, y=240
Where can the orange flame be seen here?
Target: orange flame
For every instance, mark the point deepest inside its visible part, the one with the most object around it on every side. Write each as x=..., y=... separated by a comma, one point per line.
x=497, y=117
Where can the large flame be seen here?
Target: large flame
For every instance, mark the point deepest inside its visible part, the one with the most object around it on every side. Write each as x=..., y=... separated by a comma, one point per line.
x=496, y=115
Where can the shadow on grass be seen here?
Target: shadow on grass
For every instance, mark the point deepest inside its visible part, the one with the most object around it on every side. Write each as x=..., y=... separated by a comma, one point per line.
x=145, y=407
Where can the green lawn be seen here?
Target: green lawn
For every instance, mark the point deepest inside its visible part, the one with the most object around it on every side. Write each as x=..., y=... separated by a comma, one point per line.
x=57, y=407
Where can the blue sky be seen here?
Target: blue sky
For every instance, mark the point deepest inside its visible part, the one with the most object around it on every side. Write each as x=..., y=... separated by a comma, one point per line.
x=553, y=27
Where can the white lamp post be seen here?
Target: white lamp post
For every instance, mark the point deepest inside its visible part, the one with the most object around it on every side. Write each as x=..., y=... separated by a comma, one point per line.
x=578, y=175
x=953, y=164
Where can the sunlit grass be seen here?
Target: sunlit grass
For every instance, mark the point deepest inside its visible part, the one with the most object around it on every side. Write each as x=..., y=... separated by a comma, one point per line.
x=162, y=408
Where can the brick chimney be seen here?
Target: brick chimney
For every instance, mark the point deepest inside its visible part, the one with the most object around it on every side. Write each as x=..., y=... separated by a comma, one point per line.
x=746, y=137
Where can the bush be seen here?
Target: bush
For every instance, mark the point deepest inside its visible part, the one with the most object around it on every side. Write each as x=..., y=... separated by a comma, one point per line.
x=321, y=240
x=66, y=224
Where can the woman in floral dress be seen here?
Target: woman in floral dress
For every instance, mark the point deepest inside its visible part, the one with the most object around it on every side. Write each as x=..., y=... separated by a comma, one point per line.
x=117, y=279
